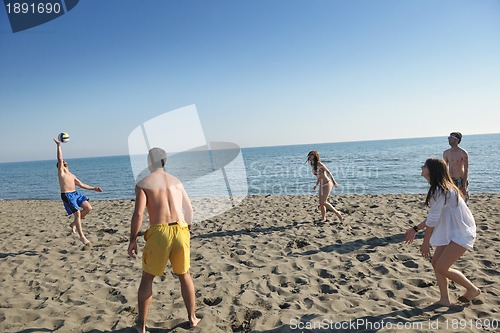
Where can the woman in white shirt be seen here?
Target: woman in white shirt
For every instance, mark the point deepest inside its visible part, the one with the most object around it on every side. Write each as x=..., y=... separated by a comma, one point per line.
x=449, y=226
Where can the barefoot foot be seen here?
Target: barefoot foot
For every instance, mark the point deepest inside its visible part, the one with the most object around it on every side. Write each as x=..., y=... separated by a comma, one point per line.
x=85, y=241
x=469, y=295
x=442, y=303
x=140, y=327
x=193, y=322
x=73, y=228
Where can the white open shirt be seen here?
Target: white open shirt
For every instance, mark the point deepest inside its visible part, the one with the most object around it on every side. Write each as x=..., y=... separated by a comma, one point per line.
x=451, y=221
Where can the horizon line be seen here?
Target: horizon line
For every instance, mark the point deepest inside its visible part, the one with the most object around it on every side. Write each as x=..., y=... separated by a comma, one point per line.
x=255, y=147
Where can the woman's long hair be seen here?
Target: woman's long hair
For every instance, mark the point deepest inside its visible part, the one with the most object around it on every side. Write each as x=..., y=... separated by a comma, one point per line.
x=315, y=161
x=439, y=179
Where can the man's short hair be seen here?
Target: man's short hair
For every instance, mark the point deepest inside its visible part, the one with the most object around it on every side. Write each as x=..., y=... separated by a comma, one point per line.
x=456, y=135
x=157, y=157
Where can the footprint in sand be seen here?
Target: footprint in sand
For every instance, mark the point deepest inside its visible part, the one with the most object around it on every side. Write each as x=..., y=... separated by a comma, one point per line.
x=363, y=257
x=410, y=264
x=212, y=301
x=488, y=263
x=327, y=289
x=115, y=295
x=323, y=273
x=285, y=306
x=301, y=281
x=309, y=303
x=382, y=270
x=422, y=283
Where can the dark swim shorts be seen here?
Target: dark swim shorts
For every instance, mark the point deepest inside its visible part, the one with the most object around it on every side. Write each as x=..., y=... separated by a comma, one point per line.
x=73, y=201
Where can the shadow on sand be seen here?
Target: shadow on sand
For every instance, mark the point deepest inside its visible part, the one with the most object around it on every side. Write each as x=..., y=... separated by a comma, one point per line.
x=396, y=321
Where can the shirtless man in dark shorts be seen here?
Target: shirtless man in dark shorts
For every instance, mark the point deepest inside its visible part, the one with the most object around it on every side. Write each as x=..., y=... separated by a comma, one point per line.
x=72, y=199
x=457, y=159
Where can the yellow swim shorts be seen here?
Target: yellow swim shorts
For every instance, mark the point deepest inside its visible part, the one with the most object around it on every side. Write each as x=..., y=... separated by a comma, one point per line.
x=167, y=242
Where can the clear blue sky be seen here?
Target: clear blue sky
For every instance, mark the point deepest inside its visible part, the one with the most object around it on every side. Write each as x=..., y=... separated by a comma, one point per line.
x=260, y=72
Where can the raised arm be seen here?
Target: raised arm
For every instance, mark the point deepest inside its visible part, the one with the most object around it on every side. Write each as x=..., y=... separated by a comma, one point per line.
x=59, y=155
x=136, y=223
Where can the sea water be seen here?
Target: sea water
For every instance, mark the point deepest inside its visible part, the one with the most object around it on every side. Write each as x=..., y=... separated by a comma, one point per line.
x=366, y=167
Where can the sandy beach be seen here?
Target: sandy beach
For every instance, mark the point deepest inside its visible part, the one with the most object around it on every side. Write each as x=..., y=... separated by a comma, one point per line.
x=266, y=265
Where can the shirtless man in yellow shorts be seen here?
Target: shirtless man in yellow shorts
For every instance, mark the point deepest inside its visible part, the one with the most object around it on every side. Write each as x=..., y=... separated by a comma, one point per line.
x=457, y=159
x=168, y=236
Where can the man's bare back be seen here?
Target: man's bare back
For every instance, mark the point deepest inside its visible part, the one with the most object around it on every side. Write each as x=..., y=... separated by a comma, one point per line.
x=166, y=198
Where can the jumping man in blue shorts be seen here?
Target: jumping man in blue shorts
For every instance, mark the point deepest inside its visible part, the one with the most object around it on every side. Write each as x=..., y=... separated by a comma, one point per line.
x=73, y=200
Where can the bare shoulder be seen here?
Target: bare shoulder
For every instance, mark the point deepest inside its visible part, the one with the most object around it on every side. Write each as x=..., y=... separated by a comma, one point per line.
x=147, y=179
x=173, y=181
x=150, y=182
x=463, y=151
x=141, y=183
x=323, y=167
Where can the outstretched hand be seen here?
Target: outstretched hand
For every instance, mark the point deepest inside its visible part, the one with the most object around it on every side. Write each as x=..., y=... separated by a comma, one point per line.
x=98, y=189
x=57, y=142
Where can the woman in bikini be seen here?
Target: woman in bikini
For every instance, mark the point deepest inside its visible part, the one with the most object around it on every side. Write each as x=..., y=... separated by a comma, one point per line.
x=325, y=182
x=450, y=227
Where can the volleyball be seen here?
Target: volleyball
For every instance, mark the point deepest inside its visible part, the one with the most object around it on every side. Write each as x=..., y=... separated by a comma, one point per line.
x=63, y=137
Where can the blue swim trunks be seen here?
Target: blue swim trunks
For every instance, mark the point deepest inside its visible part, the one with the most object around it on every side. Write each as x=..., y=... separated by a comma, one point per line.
x=73, y=201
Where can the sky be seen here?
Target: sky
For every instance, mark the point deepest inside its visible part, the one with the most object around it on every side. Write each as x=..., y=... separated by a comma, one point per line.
x=260, y=72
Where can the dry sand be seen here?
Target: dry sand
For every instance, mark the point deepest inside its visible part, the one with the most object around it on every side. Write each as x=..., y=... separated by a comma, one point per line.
x=263, y=266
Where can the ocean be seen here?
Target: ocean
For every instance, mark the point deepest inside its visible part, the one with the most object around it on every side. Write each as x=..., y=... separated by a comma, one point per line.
x=365, y=167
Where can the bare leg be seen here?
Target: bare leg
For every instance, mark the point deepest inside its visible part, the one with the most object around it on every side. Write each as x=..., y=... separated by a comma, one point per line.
x=77, y=224
x=145, y=294
x=335, y=211
x=324, y=194
x=73, y=227
x=451, y=253
x=188, y=294
x=441, y=280
x=86, y=208
x=322, y=209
